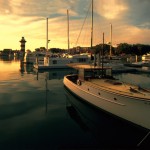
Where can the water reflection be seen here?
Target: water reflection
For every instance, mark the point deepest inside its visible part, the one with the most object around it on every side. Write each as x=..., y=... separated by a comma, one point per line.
x=109, y=132
x=8, y=58
x=46, y=91
x=34, y=114
x=26, y=68
x=54, y=73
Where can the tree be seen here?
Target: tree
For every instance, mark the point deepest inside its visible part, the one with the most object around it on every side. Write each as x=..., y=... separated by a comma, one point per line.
x=99, y=48
x=124, y=48
x=55, y=50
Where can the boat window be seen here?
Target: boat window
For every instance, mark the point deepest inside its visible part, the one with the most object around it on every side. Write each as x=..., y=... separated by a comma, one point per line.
x=82, y=60
x=54, y=61
x=109, y=72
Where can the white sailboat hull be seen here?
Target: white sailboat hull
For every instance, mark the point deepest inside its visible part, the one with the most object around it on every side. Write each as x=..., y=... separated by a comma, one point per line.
x=128, y=107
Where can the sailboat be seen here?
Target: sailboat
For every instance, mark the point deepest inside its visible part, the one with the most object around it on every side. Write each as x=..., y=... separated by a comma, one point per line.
x=58, y=61
x=97, y=86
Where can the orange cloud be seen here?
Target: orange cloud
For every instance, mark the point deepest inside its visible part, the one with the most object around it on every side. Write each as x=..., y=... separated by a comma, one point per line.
x=112, y=9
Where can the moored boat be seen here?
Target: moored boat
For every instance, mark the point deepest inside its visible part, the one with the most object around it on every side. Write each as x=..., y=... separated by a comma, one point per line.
x=59, y=62
x=97, y=86
x=34, y=57
x=29, y=57
x=146, y=57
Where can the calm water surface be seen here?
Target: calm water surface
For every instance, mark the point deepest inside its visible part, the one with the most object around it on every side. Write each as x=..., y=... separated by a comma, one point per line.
x=37, y=112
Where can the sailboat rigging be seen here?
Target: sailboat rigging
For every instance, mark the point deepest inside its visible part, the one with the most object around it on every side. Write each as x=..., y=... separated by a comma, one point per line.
x=108, y=94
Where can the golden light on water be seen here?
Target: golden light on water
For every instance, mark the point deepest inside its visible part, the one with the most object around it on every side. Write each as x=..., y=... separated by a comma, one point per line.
x=9, y=66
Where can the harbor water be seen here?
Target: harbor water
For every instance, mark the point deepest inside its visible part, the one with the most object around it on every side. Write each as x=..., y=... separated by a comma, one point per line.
x=37, y=112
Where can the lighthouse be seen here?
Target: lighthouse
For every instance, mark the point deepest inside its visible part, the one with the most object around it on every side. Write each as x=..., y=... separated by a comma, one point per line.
x=22, y=41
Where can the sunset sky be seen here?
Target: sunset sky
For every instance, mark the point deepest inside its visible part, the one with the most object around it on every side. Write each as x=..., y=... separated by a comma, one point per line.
x=19, y=18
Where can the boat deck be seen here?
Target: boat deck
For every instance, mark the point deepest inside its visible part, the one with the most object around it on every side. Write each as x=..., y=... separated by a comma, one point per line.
x=121, y=88
x=44, y=67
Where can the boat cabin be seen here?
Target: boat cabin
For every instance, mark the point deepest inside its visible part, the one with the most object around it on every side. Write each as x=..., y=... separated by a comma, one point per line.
x=86, y=72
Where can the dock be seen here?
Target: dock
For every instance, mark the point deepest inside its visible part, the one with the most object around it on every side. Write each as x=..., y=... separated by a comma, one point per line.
x=43, y=67
x=118, y=69
x=130, y=70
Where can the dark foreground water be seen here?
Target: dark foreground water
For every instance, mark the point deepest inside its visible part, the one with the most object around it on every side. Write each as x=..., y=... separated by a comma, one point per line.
x=37, y=112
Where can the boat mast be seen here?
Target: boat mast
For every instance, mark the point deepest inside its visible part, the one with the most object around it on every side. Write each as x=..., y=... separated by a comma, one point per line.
x=92, y=36
x=68, y=30
x=92, y=27
x=46, y=34
x=110, y=52
x=103, y=56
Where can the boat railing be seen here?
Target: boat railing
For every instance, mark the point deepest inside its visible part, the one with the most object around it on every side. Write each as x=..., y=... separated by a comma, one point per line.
x=119, y=91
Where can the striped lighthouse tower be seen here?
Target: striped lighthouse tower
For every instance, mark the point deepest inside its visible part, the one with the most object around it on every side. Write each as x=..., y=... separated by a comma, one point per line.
x=22, y=41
